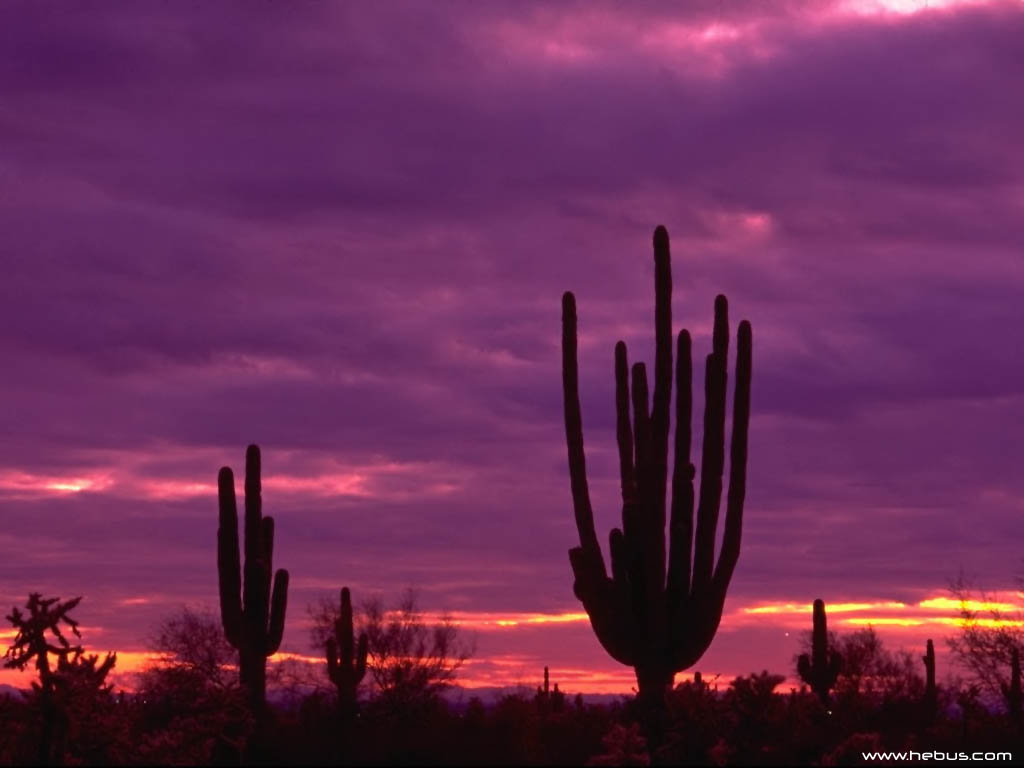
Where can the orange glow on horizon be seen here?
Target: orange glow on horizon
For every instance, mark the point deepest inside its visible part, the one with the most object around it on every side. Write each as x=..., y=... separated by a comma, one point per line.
x=903, y=622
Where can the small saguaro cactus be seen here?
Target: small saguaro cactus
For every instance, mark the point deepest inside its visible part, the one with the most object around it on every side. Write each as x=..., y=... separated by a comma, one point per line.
x=660, y=617
x=546, y=690
x=1012, y=690
x=252, y=615
x=930, y=692
x=821, y=669
x=346, y=660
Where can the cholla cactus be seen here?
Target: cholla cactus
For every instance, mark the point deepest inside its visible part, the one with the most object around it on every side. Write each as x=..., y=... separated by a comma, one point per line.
x=45, y=616
x=39, y=637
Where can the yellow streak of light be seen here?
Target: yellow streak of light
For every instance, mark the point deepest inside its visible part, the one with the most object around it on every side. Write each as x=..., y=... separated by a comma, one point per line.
x=949, y=604
x=987, y=623
x=562, y=618
x=943, y=620
x=884, y=621
x=290, y=656
x=507, y=620
x=832, y=608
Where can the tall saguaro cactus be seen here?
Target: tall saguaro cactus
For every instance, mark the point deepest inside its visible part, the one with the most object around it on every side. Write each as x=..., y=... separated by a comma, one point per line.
x=252, y=616
x=820, y=670
x=658, y=617
x=346, y=662
x=931, y=696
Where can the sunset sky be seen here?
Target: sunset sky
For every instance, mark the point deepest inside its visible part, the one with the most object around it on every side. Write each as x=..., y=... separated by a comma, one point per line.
x=342, y=231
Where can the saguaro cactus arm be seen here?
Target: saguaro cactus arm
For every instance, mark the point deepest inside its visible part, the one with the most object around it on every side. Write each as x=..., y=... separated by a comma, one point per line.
x=228, y=564
x=660, y=617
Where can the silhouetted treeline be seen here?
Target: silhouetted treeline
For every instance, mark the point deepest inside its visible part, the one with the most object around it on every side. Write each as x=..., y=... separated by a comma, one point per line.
x=187, y=721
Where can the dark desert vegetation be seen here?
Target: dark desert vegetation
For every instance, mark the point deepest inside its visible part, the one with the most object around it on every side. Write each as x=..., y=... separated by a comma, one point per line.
x=189, y=708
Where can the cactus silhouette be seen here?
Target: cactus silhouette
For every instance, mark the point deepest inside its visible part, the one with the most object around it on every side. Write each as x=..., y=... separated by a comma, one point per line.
x=253, y=618
x=821, y=669
x=544, y=692
x=549, y=699
x=930, y=692
x=1012, y=690
x=660, y=621
x=346, y=661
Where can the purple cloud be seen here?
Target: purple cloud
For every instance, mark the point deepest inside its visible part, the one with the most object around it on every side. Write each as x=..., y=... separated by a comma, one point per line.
x=342, y=232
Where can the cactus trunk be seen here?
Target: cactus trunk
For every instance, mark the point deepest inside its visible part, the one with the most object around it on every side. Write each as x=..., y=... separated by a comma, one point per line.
x=659, y=614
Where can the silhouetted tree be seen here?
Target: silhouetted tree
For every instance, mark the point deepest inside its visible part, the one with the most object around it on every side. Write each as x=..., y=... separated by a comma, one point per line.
x=192, y=708
x=623, y=745
x=93, y=729
x=988, y=639
x=193, y=641
x=660, y=618
x=755, y=716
